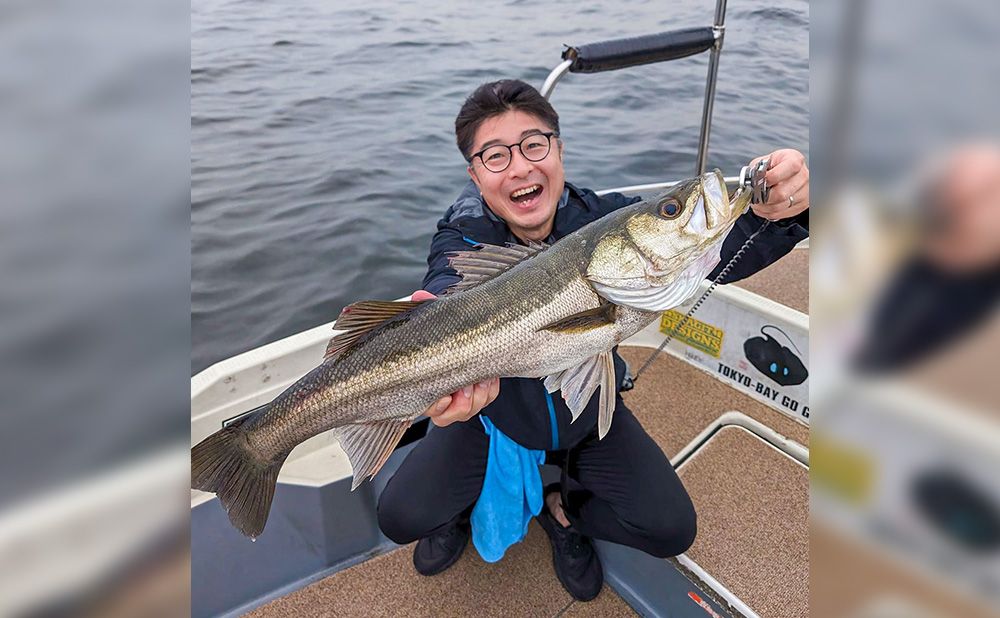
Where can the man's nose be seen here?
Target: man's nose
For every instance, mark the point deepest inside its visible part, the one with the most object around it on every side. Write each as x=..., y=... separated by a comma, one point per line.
x=519, y=164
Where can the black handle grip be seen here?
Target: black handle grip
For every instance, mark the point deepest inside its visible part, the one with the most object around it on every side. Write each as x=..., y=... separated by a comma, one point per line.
x=646, y=49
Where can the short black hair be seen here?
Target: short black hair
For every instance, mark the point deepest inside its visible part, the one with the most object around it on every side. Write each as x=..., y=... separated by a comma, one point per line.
x=494, y=98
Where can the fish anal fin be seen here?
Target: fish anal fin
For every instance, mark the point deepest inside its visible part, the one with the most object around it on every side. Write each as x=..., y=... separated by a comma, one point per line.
x=579, y=382
x=368, y=446
x=487, y=262
x=585, y=320
x=363, y=317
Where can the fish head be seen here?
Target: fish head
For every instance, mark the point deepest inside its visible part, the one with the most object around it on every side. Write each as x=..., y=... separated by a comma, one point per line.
x=655, y=250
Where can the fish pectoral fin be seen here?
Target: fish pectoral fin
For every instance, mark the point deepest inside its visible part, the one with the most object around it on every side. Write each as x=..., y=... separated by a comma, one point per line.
x=361, y=318
x=487, y=262
x=579, y=382
x=585, y=320
x=368, y=446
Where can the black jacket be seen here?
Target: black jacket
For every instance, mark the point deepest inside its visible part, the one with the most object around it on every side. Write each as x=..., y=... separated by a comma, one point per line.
x=520, y=409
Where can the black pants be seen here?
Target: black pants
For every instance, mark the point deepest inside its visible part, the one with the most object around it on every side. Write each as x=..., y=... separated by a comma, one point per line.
x=622, y=488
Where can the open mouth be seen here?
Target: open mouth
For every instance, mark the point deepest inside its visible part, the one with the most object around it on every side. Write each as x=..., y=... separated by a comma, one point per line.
x=526, y=194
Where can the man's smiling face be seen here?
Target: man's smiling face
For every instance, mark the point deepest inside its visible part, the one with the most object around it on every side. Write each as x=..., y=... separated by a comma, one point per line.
x=526, y=194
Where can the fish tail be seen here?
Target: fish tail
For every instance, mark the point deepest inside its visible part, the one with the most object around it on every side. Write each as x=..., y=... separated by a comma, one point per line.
x=223, y=464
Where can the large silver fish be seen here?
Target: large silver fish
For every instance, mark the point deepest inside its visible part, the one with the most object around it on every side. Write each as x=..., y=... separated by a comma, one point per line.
x=538, y=312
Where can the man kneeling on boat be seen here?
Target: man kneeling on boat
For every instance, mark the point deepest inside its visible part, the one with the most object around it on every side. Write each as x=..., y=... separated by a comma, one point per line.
x=477, y=472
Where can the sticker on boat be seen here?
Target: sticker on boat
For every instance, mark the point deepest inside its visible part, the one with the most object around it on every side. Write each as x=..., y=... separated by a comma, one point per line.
x=695, y=333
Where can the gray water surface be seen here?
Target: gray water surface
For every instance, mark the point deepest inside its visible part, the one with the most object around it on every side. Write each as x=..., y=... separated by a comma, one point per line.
x=322, y=146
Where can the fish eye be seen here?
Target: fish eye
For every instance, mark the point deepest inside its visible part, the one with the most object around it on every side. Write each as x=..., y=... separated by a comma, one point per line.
x=670, y=208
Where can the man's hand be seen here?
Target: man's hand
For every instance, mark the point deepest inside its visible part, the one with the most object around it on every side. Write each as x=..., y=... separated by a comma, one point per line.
x=465, y=403
x=788, y=177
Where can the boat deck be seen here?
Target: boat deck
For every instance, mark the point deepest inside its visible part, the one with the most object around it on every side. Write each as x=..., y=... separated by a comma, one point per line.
x=786, y=281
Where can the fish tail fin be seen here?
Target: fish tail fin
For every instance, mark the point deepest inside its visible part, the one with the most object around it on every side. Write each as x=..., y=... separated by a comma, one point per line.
x=223, y=464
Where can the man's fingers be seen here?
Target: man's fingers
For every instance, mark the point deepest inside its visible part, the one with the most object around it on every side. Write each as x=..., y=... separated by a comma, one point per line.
x=485, y=393
x=494, y=389
x=785, y=208
x=421, y=295
x=455, y=411
x=782, y=170
x=438, y=407
x=461, y=404
x=778, y=195
x=464, y=403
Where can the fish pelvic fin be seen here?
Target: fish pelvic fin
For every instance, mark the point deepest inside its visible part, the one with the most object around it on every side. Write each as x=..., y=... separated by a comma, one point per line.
x=488, y=262
x=223, y=464
x=368, y=446
x=362, y=318
x=578, y=384
x=583, y=321
x=609, y=396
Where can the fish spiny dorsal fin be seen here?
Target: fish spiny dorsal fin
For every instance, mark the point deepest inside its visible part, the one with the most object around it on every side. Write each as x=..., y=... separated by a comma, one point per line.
x=487, y=262
x=363, y=317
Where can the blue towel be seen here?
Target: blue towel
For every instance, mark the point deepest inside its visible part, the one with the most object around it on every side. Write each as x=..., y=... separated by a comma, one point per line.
x=511, y=495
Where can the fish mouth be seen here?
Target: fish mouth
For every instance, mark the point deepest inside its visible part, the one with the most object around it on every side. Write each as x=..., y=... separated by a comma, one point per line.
x=715, y=209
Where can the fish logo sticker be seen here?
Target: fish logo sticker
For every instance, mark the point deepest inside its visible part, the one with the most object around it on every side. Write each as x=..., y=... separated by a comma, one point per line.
x=774, y=360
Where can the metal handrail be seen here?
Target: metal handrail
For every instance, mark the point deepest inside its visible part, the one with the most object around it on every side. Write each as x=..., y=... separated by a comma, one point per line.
x=719, y=29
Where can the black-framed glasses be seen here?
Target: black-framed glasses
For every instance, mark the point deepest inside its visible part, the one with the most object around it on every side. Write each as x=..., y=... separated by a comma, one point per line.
x=534, y=148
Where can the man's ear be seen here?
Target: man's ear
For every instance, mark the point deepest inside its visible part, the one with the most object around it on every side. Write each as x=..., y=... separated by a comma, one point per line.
x=474, y=177
x=560, y=142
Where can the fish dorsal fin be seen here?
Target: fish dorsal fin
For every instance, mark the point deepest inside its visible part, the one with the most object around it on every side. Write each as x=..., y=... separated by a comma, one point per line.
x=361, y=318
x=487, y=262
x=368, y=446
x=578, y=384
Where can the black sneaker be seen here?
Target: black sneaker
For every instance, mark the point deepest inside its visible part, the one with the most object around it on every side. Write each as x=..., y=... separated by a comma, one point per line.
x=576, y=563
x=437, y=552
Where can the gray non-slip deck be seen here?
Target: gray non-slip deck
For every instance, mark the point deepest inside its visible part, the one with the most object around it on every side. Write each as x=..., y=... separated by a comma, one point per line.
x=523, y=583
x=753, y=535
x=786, y=281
